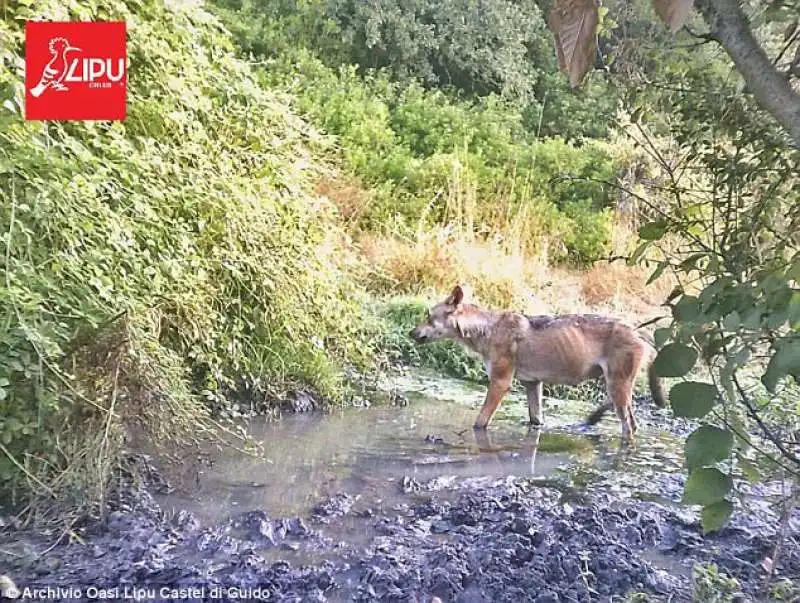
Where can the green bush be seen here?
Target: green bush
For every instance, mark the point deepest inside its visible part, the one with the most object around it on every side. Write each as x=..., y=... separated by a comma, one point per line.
x=468, y=49
x=400, y=315
x=158, y=262
x=428, y=157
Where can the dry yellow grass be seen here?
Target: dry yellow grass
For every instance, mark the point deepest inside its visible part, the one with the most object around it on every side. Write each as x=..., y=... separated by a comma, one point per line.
x=605, y=282
x=430, y=264
x=346, y=193
x=434, y=260
x=500, y=273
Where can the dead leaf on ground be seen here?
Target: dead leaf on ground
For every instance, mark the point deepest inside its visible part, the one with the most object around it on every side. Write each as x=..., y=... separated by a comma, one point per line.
x=673, y=12
x=574, y=26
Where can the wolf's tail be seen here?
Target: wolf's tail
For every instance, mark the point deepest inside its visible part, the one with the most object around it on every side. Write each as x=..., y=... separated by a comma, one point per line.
x=656, y=387
x=653, y=380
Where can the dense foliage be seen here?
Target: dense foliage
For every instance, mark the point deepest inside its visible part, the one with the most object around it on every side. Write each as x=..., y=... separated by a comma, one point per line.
x=724, y=216
x=154, y=263
x=158, y=269
x=425, y=157
x=468, y=48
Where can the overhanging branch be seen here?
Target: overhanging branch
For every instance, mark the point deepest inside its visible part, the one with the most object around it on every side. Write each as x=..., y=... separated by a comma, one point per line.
x=769, y=86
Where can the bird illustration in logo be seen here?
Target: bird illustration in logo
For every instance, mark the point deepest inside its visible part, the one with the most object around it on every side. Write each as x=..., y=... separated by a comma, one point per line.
x=56, y=69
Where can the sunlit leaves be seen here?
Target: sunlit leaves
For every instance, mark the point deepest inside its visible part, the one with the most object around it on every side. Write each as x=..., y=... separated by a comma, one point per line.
x=172, y=245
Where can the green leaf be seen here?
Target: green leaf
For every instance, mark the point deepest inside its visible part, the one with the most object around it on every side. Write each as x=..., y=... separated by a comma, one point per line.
x=657, y=272
x=690, y=263
x=638, y=253
x=715, y=516
x=706, y=486
x=785, y=361
x=750, y=470
x=661, y=336
x=752, y=320
x=687, y=309
x=692, y=399
x=732, y=321
x=675, y=360
x=707, y=445
x=653, y=231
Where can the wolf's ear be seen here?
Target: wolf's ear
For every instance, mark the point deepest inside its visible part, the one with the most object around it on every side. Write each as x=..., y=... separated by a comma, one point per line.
x=459, y=295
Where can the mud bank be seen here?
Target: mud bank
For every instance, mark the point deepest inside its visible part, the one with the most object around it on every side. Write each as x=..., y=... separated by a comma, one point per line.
x=472, y=540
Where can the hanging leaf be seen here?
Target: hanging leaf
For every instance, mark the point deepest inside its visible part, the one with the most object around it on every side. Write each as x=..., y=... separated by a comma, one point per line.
x=692, y=399
x=657, y=272
x=673, y=12
x=574, y=26
x=715, y=516
x=661, y=336
x=707, y=445
x=653, y=231
x=706, y=486
x=750, y=470
x=675, y=360
x=687, y=309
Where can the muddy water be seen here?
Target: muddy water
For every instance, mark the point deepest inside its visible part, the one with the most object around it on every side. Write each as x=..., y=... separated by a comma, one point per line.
x=378, y=454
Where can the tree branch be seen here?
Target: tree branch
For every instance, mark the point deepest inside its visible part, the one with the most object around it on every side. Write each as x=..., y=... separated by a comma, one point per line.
x=773, y=92
x=753, y=412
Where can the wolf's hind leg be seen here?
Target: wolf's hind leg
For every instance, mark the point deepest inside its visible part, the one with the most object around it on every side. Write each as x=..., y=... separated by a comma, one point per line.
x=534, y=391
x=619, y=390
x=619, y=381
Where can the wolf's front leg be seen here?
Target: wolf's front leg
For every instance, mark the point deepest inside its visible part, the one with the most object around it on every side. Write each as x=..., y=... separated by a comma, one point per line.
x=499, y=385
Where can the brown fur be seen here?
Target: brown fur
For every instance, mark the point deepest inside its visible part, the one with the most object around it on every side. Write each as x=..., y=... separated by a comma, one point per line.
x=565, y=349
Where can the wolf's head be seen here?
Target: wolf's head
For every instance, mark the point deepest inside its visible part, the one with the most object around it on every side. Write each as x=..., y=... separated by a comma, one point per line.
x=443, y=319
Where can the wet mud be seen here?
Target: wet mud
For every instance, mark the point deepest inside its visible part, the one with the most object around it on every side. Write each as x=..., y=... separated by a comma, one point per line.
x=404, y=504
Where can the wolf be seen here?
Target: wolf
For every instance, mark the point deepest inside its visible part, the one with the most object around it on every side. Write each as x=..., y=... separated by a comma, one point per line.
x=558, y=349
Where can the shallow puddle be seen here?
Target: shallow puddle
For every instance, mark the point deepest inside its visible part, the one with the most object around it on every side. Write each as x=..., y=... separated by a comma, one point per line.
x=370, y=453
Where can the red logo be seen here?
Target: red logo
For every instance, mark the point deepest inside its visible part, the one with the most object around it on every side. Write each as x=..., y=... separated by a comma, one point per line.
x=75, y=70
